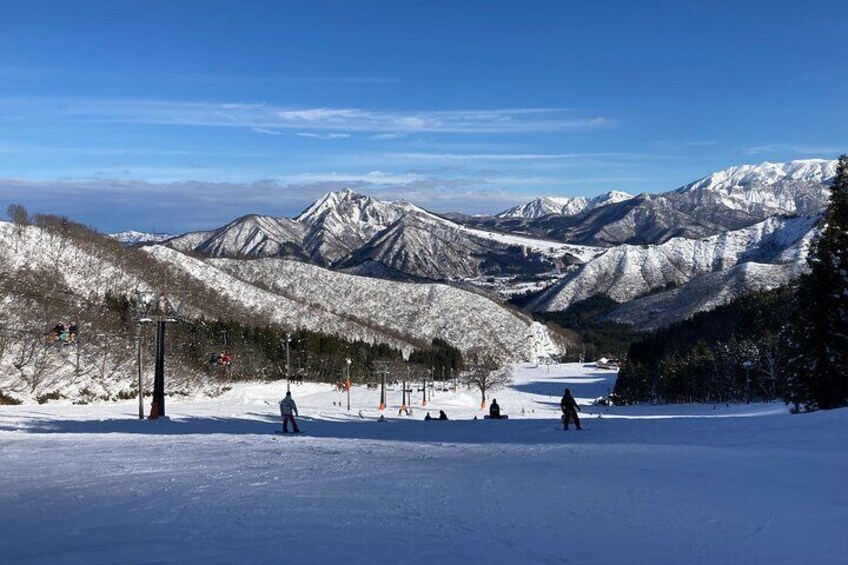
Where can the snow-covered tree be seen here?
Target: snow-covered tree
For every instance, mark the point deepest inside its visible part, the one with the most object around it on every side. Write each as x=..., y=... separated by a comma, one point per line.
x=818, y=340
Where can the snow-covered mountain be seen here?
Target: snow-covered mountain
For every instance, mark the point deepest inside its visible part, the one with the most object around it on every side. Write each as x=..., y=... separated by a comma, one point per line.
x=562, y=205
x=329, y=230
x=626, y=272
x=40, y=266
x=765, y=189
x=248, y=236
x=726, y=200
x=704, y=293
x=136, y=237
x=349, y=229
x=545, y=206
x=364, y=235
x=423, y=311
x=653, y=241
x=342, y=222
x=427, y=247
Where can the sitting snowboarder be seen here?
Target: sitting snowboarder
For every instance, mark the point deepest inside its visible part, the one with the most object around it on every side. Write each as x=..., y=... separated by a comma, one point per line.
x=288, y=410
x=442, y=415
x=428, y=417
x=570, y=409
x=495, y=411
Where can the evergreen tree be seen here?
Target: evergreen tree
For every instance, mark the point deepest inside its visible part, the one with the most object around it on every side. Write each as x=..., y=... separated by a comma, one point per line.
x=818, y=339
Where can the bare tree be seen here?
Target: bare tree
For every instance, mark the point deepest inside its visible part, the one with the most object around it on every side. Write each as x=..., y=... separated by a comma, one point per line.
x=20, y=220
x=486, y=371
x=18, y=214
x=772, y=365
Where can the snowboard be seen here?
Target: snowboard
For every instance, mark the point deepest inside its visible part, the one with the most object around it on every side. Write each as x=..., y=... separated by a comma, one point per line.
x=570, y=425
x=282, y=433
x=503, y=417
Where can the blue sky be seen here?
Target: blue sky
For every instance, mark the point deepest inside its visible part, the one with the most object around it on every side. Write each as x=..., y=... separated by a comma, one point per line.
x=183, y=115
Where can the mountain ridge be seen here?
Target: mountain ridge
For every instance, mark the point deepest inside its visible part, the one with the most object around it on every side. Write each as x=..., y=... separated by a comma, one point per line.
x=359, y=234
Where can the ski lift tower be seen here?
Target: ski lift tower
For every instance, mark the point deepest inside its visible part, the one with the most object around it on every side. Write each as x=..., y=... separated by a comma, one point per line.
x=383, y=367
x=161, y=309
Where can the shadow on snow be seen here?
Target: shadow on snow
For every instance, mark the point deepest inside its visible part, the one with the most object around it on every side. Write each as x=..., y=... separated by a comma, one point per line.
x=676, y=431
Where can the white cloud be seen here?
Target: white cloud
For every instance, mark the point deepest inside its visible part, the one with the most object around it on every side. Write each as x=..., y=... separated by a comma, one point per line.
x=820, y=150
x=265, y=118
x=371, y=177
x=497, y=156
x=267, y=131
x=388, y=135
x=313, y=135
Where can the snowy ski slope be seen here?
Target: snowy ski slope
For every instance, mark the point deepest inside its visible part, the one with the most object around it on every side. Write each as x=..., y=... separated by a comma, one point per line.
x=675, y=484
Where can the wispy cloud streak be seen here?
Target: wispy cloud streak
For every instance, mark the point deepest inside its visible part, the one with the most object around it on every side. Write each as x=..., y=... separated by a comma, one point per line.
x=442, y=157
x=313, y=135
x=820, y=150
x=267, y=118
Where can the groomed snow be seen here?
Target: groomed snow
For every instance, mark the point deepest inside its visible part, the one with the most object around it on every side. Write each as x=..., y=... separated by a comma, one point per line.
x=677, y=484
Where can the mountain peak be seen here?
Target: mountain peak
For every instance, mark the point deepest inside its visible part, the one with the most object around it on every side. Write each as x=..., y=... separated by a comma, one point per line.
x=616, y=196
x=563, y=205
x=766, y=174
x=329, y=202
x=132, y=237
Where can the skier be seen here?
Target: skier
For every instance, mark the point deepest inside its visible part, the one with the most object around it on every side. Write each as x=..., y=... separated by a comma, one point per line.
x=442, y=415
x=288, y=410
x=495, y=410
x=569, y=410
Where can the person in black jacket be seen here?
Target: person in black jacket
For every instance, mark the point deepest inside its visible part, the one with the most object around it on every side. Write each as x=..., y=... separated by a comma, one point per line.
x=495, y=410
x=442, y=415
x=569, y=410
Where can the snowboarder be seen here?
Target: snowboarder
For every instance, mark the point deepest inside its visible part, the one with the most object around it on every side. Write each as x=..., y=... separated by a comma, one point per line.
x=570, y=409
x=288, y=410
x=428, y=417
x=495, y=410
x=442, y=415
